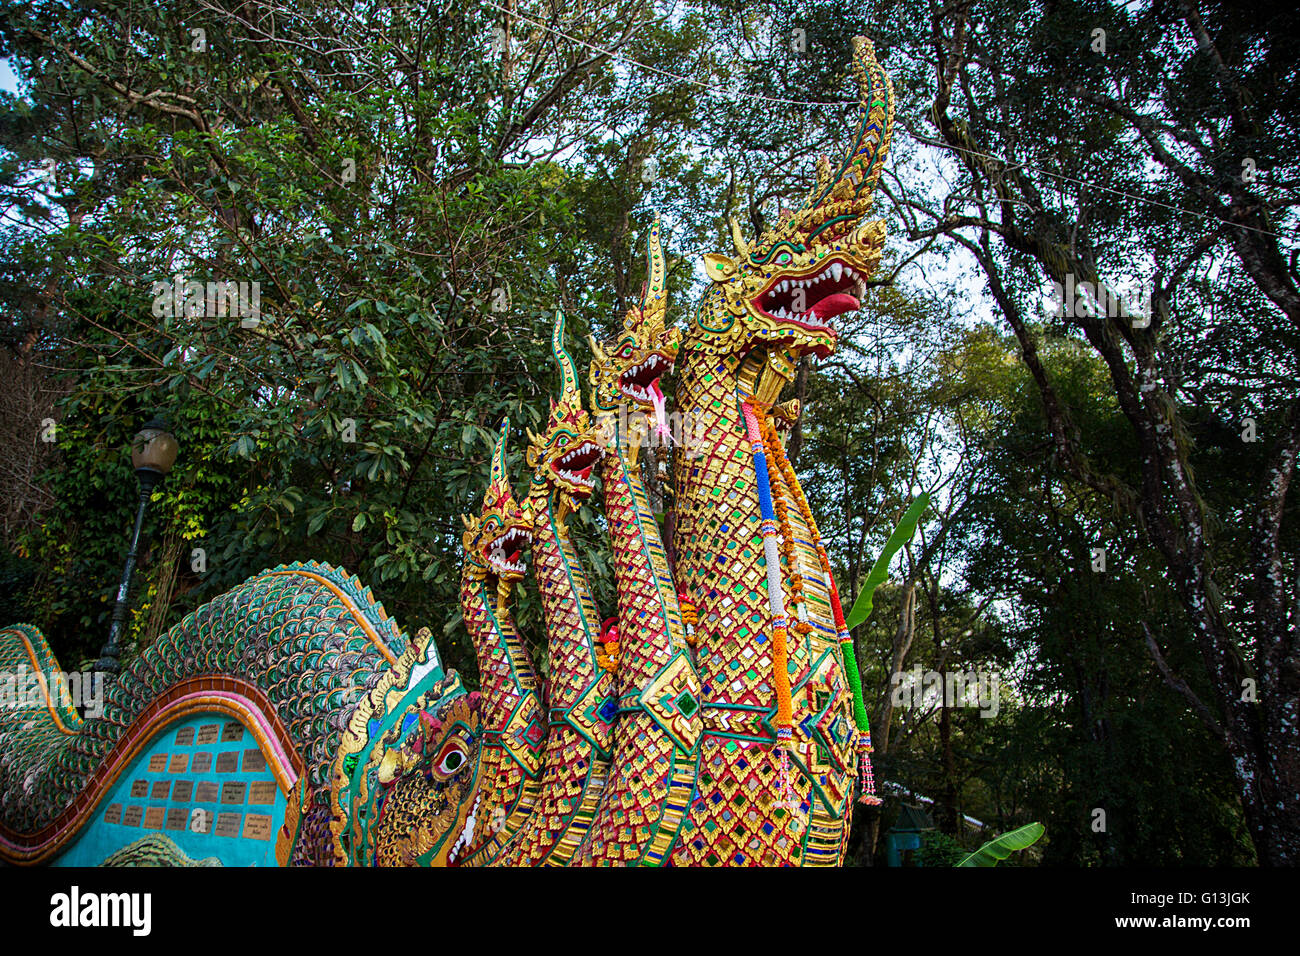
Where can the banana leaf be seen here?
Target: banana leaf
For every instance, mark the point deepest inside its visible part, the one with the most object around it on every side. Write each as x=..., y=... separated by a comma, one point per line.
x=902, y=534
x=1002, y=847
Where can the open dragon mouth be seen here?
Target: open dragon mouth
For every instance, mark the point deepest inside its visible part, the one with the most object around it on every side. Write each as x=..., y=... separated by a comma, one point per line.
x=575, y=466
x=811, y=301
x=504, y=553
x=640, y=382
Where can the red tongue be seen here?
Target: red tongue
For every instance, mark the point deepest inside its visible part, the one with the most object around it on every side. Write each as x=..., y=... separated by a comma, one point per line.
x=514, y=558
x=834, y=305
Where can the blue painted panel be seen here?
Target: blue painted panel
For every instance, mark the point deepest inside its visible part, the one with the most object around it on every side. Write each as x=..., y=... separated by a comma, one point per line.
x=204, y=784
x=907, y=841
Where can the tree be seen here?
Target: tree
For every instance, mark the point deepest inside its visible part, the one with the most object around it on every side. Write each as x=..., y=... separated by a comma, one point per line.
x=1104, y=149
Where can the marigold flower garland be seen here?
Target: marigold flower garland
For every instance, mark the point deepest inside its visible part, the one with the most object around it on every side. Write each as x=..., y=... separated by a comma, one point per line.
x=774, y=449
x=607, y=652
x=690, y=615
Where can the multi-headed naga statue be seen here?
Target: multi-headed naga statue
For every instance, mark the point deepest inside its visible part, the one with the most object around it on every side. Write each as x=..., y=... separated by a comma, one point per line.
x=718, y=722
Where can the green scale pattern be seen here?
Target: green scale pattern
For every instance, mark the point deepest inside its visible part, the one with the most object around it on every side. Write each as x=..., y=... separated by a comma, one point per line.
x=286, y=633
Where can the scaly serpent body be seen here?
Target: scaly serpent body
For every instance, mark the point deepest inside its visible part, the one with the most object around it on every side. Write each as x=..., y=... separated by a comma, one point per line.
x=651, y=783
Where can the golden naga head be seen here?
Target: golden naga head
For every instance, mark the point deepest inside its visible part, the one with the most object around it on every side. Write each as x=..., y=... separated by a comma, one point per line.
x=569, y=451
x=629, y=369
x=428, y=786
x=405, y=783
x=495, y=540
x=786, y=288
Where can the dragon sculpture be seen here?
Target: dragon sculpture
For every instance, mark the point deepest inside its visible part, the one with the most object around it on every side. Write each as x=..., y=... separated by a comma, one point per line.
x=716, y=720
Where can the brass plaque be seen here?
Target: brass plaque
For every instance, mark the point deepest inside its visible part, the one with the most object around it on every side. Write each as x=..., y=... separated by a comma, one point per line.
x=183, y=791
x=184, y=736
x=153, y=818
x=254, y=761
x=132, y=817
x=202, y=763
x=233, y=792
x=157, y=763
x=139, y=788
x=208, y=734
x=228, y=762
x=113, y=814
x=207, y=792
x=232, y=731
x=227, y=824
x=263, y=792
x=180, y=763
x=161, y=790
x=257, y=826
x=177, y=818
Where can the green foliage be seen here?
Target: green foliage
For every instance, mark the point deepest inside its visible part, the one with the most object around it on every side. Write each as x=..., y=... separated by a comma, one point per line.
x=17, y=575
x=880, y=570
x=999, y=848
x=939, y=849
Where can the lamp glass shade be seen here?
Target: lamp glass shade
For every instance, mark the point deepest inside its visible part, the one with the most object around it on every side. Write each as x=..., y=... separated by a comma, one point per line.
x=154, y=450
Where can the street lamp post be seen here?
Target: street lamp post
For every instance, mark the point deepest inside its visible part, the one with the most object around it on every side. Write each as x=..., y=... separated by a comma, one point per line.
x=153, y=453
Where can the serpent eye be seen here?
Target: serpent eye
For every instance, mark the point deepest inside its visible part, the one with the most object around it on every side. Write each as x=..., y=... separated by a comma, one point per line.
x=451, y=758
x=783, y=258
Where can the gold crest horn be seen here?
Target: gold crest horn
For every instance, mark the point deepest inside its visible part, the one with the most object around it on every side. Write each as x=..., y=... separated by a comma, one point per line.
x=853, y=178
x=865, y=160
x=738, y=238
x=823, y=173
x=498, y=487
x=570, y=393
x=654, y=300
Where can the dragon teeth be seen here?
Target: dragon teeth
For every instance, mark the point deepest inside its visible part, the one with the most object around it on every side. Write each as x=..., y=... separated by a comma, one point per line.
x=466, y=833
